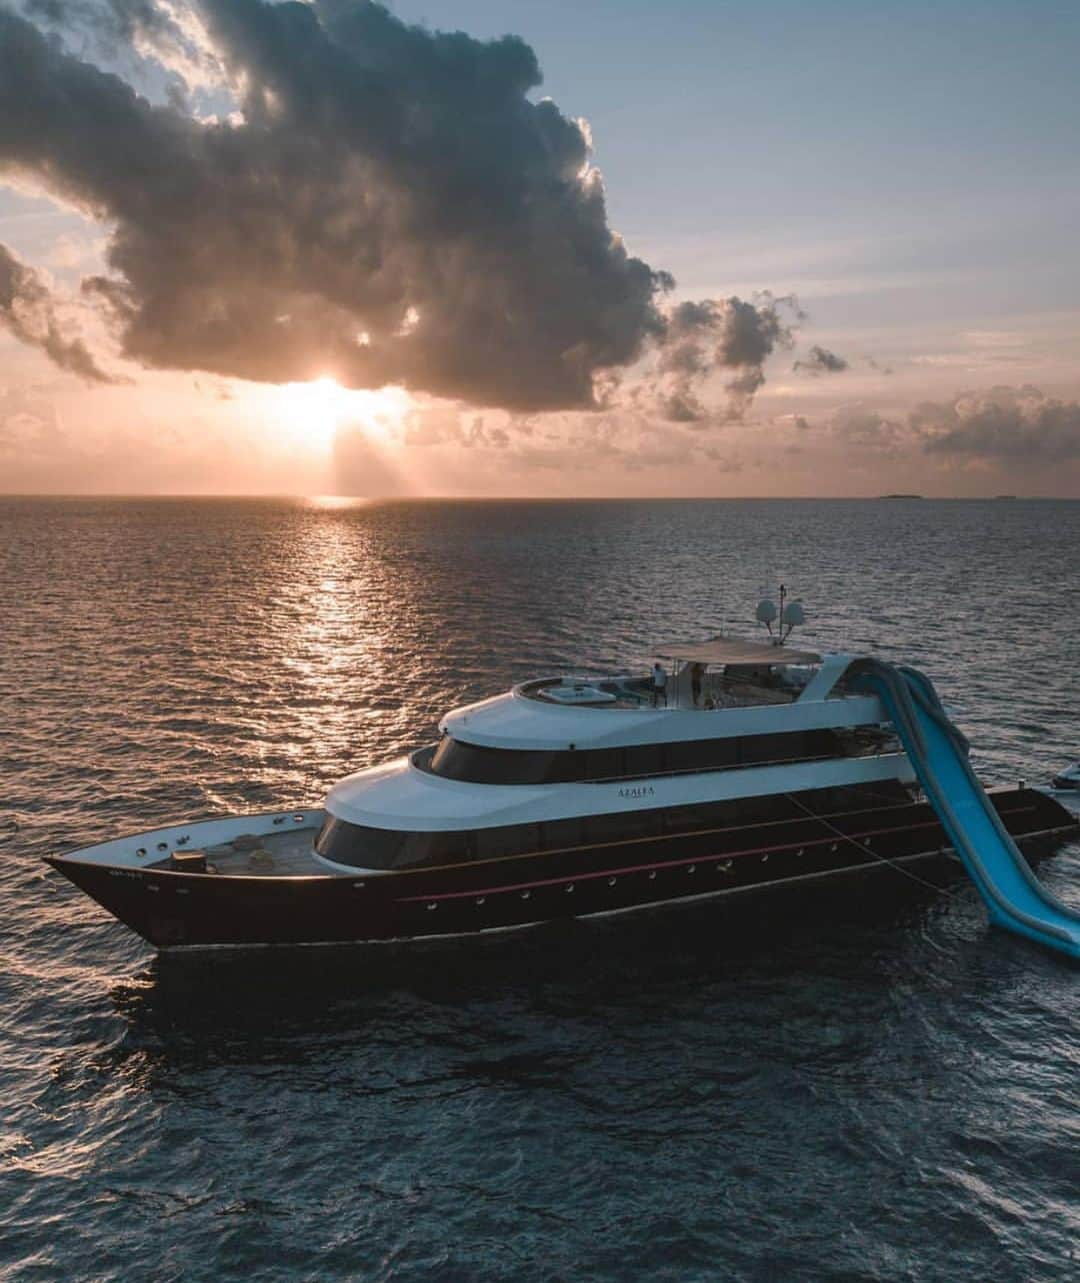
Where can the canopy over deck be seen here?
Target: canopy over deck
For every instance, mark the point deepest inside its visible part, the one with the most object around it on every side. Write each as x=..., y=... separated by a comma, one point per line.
x=732, y=650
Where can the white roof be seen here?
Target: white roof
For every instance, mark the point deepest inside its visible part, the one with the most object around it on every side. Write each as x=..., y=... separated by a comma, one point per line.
x=733, y=650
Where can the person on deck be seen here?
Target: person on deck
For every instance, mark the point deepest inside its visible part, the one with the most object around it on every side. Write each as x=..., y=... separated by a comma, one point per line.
x=659, y=684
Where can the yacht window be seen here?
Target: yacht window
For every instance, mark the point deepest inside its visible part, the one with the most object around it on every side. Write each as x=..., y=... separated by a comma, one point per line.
x=358, y=845
x=457, y=760
x=646, y=759
x=434, y=848
x=702, y=755
x=370, y=848
x=604, y=764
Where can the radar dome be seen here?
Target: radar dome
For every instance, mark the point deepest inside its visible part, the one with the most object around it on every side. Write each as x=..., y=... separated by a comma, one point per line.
x=794, y=615
x=766, y=611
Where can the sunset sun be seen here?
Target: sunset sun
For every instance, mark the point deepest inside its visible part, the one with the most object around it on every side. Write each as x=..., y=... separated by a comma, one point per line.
x=311, y=414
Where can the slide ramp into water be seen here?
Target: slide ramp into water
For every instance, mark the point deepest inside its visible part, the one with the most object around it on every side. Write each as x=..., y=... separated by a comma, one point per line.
x=1014, y=896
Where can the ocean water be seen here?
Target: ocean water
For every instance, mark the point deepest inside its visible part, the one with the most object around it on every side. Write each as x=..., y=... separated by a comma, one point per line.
x=882, y=1089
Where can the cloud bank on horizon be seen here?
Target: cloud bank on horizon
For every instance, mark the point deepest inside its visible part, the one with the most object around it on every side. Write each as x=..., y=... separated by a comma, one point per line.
x=386, y=203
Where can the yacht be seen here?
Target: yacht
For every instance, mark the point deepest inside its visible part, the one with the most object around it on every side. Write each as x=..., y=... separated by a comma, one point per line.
x=734, y=768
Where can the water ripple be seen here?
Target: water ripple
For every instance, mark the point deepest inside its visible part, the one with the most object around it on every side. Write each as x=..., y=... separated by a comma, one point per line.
x=868, y=1091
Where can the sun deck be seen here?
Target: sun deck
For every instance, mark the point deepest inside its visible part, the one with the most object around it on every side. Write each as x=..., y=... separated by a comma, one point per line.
x=721, y=672
x=717, y=690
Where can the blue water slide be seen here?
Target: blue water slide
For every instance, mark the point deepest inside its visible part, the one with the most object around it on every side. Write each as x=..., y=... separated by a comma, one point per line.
x=1014, y=896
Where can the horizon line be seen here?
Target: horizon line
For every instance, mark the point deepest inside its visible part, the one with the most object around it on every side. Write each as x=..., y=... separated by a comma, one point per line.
x=441, y=498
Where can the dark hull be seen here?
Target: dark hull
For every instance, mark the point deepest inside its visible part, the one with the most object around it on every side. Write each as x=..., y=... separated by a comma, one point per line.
x=176, y=910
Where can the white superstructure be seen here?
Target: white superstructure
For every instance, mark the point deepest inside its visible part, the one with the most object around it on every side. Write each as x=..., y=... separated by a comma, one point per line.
x=761, y=695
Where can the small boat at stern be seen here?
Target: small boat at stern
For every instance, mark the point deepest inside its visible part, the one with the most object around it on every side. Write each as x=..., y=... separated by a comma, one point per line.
x=732, y=768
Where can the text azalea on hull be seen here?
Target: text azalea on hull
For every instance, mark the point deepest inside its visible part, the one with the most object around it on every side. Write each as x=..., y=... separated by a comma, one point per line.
x=733, y=768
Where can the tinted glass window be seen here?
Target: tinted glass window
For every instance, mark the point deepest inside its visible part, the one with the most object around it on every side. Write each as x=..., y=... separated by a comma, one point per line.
x=646, y=759
x=702, y=755
x=604, y=763
x=368, y=848
x=456, y=760
x=434, y=848
x=359, y=846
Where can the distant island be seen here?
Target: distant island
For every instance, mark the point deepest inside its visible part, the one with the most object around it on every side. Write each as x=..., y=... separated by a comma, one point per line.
x=901, y=496
x=1004, y=496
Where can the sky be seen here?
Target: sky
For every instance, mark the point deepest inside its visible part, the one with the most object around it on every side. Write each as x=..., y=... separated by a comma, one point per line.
x=614, y=249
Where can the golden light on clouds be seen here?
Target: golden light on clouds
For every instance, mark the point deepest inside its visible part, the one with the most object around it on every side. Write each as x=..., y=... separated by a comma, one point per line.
x=310, y=415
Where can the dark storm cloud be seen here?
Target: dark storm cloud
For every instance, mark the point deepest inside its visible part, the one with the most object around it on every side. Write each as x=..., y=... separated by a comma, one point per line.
x=720, y=335
x=389, y=206
x=392, y=209
x=1017, y=424
x=821, y=361
x=28, y=311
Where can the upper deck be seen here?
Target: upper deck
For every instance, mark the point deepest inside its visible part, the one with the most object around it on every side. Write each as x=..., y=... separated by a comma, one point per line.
x=721, y=672
x=727, y=689
x=782, y=691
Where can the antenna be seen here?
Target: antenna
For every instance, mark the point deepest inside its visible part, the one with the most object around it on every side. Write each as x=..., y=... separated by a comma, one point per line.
x=789, y=616
x=766, y=613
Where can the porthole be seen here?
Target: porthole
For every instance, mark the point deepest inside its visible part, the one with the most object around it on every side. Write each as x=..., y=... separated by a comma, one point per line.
x=298, y=818
x=526, y=894
x=611, y=881
x=692, y=869
x=183, y=841
x=765, y=858
x=725, y=866
x=652, y=875
x=141, y=851
x=279, y=819
x=800, y=851
x=163, y=846
x=570, y=889
x=432, y=907
x=834, y=846
x=359, y=885
x=481, y=899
